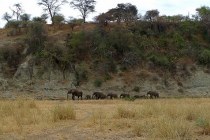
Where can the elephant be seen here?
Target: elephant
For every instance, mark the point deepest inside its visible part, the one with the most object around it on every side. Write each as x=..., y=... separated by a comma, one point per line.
x=74, y=93
x=124, y=95
x=152, y=94
x=112, y=95
x=98, y=95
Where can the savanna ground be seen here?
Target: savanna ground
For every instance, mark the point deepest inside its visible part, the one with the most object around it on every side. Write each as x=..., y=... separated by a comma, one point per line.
x=106, y=119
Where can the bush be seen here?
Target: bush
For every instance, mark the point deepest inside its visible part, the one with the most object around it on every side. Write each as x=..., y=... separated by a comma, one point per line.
x=204, y=57
x=36, y=37
x=13, y=24
x=58, y=19
x=81, y=75
x=98, y=83
x=204, y=124
x=160, y=60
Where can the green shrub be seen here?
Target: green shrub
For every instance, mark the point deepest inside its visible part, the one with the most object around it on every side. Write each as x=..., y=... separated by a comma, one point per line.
x=36, y=37
x=58, y=19
x=160, y=60
x=204, y=124
x=204, y=57
x=81, y=75
x=98, y=83
x=107, y=77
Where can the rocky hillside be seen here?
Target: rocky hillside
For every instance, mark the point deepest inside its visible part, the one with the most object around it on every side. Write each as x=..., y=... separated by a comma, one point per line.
x=44, y=61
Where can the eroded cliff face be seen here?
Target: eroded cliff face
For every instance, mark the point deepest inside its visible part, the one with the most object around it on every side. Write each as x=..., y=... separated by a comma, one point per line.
x=48, y=83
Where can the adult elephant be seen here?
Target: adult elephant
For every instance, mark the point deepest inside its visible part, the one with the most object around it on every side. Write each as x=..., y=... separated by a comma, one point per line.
x=112, y=95
x=98, y=95
x=152, y=94
x=74, y=93
x=124, y=95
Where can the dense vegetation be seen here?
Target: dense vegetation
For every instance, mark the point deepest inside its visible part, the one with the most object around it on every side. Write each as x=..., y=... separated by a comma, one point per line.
x=119, y=40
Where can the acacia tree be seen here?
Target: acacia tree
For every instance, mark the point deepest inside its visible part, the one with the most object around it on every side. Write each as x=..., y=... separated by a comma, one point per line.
x=6, y=17
x=204, y=13
x=152, y=15
x=124, y=12
x=84, y=6
x=25, y=17
x=51, y=6
x=17, y=11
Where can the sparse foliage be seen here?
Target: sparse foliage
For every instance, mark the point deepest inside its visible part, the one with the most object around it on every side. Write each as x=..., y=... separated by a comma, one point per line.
x=6, y=17
x=58, y=19
x=204, y=13
x=51, y=7
x=25, y=17
x=36, y=37
x=17, y=11
x=84, y=6
x=41, y=19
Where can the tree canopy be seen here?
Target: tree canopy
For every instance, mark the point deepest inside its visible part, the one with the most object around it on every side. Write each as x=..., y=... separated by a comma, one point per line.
x=84, y=6
x=51, y=7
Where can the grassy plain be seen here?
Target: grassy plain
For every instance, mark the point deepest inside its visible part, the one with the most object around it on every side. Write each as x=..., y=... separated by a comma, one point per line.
x=140, y=119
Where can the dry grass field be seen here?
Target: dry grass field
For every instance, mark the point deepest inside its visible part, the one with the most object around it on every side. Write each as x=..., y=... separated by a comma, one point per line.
x=106, y=119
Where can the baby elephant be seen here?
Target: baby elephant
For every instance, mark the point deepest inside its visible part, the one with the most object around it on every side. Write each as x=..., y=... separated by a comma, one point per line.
x=152, y=94
x=98, y=95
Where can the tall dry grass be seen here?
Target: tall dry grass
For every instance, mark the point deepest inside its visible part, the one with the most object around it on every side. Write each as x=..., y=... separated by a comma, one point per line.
x=159, y=119
x=60, y=113
x=24, y=116
x=151, y=119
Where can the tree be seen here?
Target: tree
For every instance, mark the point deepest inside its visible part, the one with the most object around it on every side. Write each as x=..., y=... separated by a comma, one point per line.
x=36, y=37
x=204, y=13
x=58, y=19
x=51, y=6
x=25, y=17
x=123, y=12
x=6, y=17
x=152, y=15
x=103, y=19
x=84, y=6
x=128, y=11
x=17, y=11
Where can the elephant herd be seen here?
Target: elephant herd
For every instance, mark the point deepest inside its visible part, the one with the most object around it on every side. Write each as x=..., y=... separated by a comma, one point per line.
x=100, y=95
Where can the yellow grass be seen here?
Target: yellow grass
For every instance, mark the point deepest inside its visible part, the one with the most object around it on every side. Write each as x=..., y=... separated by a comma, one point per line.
x=63, y=113
x=29, y=115
x=150, y=119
